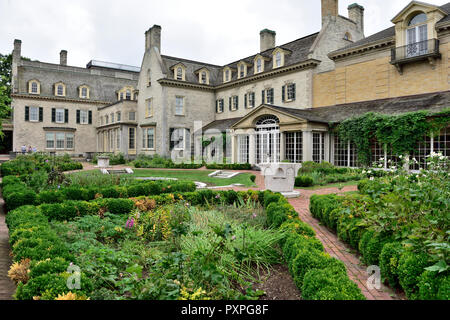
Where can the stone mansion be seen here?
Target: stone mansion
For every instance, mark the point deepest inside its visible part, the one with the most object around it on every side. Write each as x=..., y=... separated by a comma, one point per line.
x=277, y=104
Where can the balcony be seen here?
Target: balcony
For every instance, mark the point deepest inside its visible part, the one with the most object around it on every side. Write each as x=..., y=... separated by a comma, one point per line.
x=424, y=50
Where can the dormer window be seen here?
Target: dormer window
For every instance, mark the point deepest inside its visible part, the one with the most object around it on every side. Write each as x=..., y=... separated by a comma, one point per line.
x=347, y=36
x=227, y=74
x=417, y=35
x=203, y=77
x=278, y=59
x=60, y=89
x=34, y=87
x=258, y=65
x=242, y=71
x=84, y=92
x=126, y=93
x=180, y=74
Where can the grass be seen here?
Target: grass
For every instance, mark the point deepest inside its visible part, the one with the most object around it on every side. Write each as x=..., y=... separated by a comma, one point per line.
x=190, y=175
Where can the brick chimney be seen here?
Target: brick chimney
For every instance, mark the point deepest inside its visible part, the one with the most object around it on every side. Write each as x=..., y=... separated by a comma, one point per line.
x=267, y=39
x=63, y=58
x=153, y=38
x=356, y=14
x=330, y=8
x=16, y=62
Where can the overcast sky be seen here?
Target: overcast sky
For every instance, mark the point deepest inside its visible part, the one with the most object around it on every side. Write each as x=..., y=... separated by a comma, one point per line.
x=213, y=31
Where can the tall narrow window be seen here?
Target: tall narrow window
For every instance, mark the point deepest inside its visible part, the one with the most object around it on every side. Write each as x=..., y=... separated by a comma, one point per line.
x=34, y=87
x=59, y=116
x=278, y=59
x=60, y=140
x=69, y=141
x=417, y=36
x=149, y=109
x=179, y=106
x=84, y=117
x=258, y=66
x=84, y=92
x=50, y=138
x=150, y=137
x=179, y=73
x=227, y=75
x=118, y=133
x=119, y=116
x=131, y=138
x=112, y=117
x=203, y=76
x=128, y=95
x=242, y=71
x=60, y=90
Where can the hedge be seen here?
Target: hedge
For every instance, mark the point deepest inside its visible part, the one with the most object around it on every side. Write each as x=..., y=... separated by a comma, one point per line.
x=32, y=237
x=231, y=166
x=400, y=266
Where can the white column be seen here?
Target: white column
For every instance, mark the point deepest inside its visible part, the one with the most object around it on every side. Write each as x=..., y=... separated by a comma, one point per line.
x=234, y=148
x=327, y=147
x=307, y=146
x=252, y=148
x=282, y=146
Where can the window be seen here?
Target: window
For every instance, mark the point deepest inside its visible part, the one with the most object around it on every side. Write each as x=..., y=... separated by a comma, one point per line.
x=418, y=19
x=294, y=146
x=121, y=96
x=60, y=140
x=289, y=92
x=132, y=138
x=34, y=87
x=268, y=93
x=318, y=147
x=112, y=117
x=118, y=133
x=179, y=106
x=60, y=89
x=50, y=137
x=180, y=73
x=347, y=36
x=59, y=116
x=149, y=109
x=242, y=71
x=132, y=116
x=251, y=100
x=101, y=120
x=235, y=103
x=417, y=36
x=119, y=116
x=128, y=95
x=84, y=92
x=84, y=117
x=180, y=138
x=258, y=65
x=203, y=77
x=243, y=148
x=219, y=106
x=69, y=140
x=278, y=59
x=106, y=119
x=148, y=138
x=34, y=114
x=226, y=75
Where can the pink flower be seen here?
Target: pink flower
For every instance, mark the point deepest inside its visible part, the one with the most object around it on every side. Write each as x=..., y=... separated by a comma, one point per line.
x=254, y=216
x=130, y=223
x=233, y=238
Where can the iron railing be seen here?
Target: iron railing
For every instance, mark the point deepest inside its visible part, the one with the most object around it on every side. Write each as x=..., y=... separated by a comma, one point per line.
x=415, y=50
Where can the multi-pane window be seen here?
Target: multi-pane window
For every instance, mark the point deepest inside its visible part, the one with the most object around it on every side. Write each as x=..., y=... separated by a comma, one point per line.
x=227, y=75
x=294, y=146
x=258, y=65
x=112, y=117
x=59, y=113
x=118, y=133
x=378, y=152
x=60, y=90
x=84, y=92
x=132, y=138
x=242, y=71
x=290, y=91
x=132, y=116
x=69, y=140
x=34, y=114
x=345, y=154
x=180, y=138
x=148, y=138
x=203, y=77
x=179, y=73
x=84, y=117
x=243, y=151
x=269, y=96
x=50, y=138
x=34, y=87
x=220, y=105
x=179, y=106
x=251, y=99
x=60, y=140
x=318, y=147
x=235, y=101
x=278, y=59
x=423, y=149
x=119, y=116
x=106, y=119
x=441, y=142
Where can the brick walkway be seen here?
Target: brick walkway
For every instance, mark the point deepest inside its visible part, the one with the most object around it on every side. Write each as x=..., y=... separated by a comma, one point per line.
x=7, y=287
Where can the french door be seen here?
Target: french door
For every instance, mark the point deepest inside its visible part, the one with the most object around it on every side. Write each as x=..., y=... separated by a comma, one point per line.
x=417, y=41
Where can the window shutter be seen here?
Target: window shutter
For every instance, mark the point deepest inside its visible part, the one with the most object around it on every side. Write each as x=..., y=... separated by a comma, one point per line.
x=90, y=117
x=283, y=93
x=294, y=90
x=53, y=115
x=41, y=114
x=172, y=143
x=230, y=103
x=253, y=100
x=78, y=116
x=237, y=102
x=217, y=106
x=263, y=97
x=245, y=101
x=27, y=113
x=271, y=96
x=66, y=116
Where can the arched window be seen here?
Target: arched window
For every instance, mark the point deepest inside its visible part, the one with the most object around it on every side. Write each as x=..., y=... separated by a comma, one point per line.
x=179, y=73
x=417, y=35
x=60, y=89
x=347, y=36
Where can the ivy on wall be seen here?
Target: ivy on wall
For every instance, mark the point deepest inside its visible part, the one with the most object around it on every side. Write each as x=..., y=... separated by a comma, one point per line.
x=401, y=132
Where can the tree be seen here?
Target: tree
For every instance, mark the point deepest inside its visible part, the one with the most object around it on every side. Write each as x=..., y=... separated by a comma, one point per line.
x=5, y=88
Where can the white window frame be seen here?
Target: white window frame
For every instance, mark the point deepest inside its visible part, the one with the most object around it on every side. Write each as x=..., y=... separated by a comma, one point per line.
x=36, y=84
x=34, y=111
x=234, y=103
x=68, y=136
x=176, y=134
x=84, y=117
x=58, y=113
x=58, y=88
x=52, y=140
x=179, y=74
x=179, y=108
x=60, y=134
x=278, y=59
x=146, y=138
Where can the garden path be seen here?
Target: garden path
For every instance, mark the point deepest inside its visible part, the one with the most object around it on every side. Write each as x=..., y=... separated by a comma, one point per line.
x=7, y=287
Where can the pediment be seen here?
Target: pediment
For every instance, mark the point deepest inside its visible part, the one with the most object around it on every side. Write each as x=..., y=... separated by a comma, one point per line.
x=415, y=6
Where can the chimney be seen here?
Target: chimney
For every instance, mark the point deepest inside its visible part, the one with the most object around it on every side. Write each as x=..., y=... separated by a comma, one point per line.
x=153, y=38
x=63, y=58
x=16, y=62
x=267, y=39
x=330, y=8
x=356, y=14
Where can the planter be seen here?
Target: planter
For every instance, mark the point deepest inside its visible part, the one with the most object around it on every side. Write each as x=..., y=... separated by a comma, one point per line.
x=103, y=162
x=280, y=177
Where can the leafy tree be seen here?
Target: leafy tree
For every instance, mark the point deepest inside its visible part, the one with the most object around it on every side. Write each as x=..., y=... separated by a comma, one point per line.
x=5, y=88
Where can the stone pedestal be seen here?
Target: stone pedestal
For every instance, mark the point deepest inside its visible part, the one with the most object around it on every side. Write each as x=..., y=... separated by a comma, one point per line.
x=280, y=177
x=103, y=162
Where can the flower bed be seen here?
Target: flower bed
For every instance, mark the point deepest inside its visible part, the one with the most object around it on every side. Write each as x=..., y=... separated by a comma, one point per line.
x=399, y=222
x=167, y=247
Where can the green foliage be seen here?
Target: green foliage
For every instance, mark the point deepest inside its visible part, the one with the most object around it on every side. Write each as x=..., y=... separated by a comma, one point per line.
x=156, y=161
x=231, y=166
x=410, y=268
x=389, y=259
x=303, y=181
x=434, y=286
x=370, y=246
x=402, y=132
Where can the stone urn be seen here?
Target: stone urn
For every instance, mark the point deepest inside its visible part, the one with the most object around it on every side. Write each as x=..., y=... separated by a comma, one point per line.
x=103, y=162
x=280, y=177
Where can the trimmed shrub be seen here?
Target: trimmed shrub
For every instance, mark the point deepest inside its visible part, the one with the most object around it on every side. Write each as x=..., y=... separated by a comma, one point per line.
x=304, y=181
x=389, y=258
x=371, y=244
x=231, y=166
x=55, y=265
x=410, y=268
x=19, y=198
x=117, y=206
x=429, y=284
x=253, y=178
x=52, y=196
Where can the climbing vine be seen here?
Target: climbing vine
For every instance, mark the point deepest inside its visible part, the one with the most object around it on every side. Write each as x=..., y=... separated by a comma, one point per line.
x=402, y=132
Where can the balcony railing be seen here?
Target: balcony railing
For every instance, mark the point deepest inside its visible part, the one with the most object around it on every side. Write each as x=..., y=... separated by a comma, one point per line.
x=415, y=51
